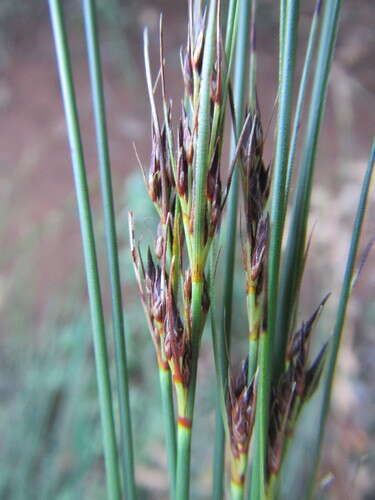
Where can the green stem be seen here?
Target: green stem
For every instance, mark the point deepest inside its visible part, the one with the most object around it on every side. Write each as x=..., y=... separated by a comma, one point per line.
x=238, y=475
x=169, y=425
x=92, y=276
x=307, y=66
x=219, y=450
x=284, y=320
x=237, y=491
x=184, y=434
x=223, y=344
x=231, y=225
x=127, y=454
x=281, y=157
x=257, y=485
x=201, y=162
x=283, y=10
x=220, y=358
x=341, y=313
x=295, y=248
x=220, y=411
x=230, y=46
x=253, y=59
x=183, y=463
x=252, y=314
x=198, y=251
x=277, y=224
x=272, y=487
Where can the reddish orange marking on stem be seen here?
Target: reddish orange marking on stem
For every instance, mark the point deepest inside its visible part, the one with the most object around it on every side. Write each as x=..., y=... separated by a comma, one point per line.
x=254, y=335
x=177, y=377
x=163, y=365
x=239, y=480
x=160, y=328
x=184, y=422
x=186, y=217
x=197, y=275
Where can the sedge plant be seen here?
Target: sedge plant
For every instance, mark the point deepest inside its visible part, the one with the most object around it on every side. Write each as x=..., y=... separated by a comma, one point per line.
x=198, y=202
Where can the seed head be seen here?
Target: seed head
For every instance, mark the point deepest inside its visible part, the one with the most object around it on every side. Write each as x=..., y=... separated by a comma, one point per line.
x=187, y=287
x=281, y=404
x=182, y=173
x=199, y=44
x=240, y=410
x=259, y=249
x=187, y=70
x=205, y=297
x=159, y=243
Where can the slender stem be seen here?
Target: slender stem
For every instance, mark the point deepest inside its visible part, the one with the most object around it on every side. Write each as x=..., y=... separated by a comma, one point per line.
x=230, y=47
x=183, y=464
x=238, y=474
x=219, y=451
x=230, y=42
x=272, y=487
x=281, y=157
x=277, y=224
x=257, y=485
x=220, y=412
x=237, y=491
x=252, y=309
x=92, y=276
x=201, y=162
x=230, y=232
x=127, y=454
x=223, y=343
x=253, y=59
x=252, y=313
x=169, y=425
x=220, y=355
x=307, y=66
x=341, y=313
x=295, y=248
x=184, y=432
x=198, y=253
x=283, y=7
x=283, y=320
x=231, y=225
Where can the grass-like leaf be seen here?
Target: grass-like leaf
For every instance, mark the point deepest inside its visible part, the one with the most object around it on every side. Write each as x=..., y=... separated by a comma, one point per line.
x=235, y=8
x=295, y=248
x=297, y=122
x=91, y=267
x=277, y=223
x=176, y=288
x=201, y=167
x=340, y=315
x=127, y=456
x=229, y=245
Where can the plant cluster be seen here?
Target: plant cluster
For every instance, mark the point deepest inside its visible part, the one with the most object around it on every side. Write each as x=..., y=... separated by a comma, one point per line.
x=195, y=197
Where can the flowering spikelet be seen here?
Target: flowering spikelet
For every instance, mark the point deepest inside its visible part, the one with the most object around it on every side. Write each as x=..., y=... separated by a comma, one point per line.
x=293, y=388
x=256, y=188
x=171, y=184
x=240, y=408
x=240, y=414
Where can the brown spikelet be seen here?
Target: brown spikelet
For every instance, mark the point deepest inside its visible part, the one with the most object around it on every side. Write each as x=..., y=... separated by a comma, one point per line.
x=240, y=411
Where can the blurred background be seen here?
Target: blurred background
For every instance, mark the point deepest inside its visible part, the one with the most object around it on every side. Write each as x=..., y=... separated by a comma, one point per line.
x=50, y=445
